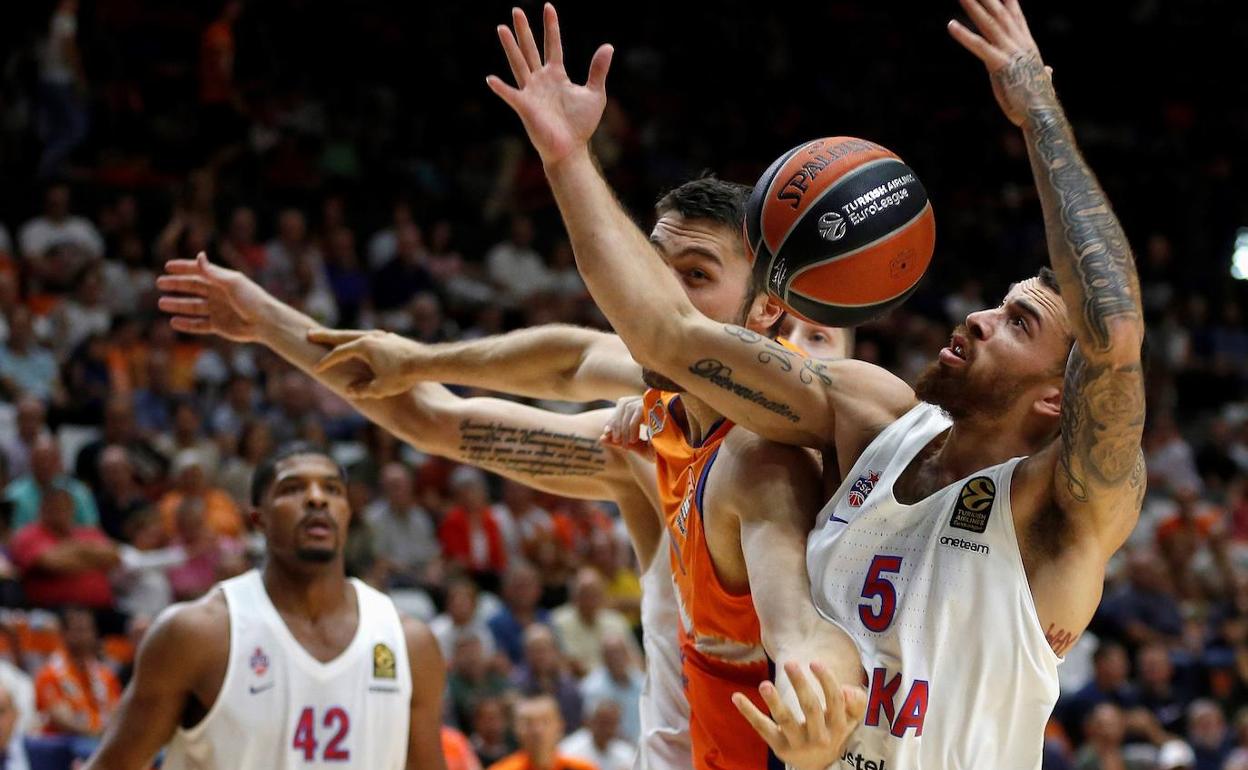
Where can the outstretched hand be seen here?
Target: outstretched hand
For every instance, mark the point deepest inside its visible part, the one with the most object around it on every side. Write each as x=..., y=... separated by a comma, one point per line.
x=1020, y=81
x=818, y=739
x=558, y=115
x=204, y=298
x=385, y=355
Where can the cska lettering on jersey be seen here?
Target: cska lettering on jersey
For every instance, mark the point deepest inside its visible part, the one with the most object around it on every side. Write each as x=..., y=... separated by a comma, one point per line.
x=887, y=708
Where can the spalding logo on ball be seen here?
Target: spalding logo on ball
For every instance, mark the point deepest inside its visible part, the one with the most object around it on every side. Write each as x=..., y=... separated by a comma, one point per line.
x=840, y=229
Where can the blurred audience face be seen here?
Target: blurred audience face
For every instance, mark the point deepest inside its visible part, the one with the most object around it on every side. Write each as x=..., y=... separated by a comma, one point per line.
x=470, y=492
x=56, y=511
x=1105, y=725
x=191, y=479
x=292, y=227
x=604, y=722
x=522, y=588
x=461, y=602
x=1206, y=727
x=119, y=419
x=468, y=657
x=398, y=487
x=192, y=527
x=522, y=231
x=409, y=242
x=538, y=725
x=1110, y=666
x=31, y=418
x=186, y=422
x=257, y=442
x=243, y=226
x=489, y=720
x=116, y=470
x=617, y=657
x=296, y=394
x=81, y=637
x=1155, y=669
x=588, y=593
x=21, y=330
x=541, y=653
x=45, y=460
x=56, y=203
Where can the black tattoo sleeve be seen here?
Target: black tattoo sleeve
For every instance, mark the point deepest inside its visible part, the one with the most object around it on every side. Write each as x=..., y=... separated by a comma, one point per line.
x=534, y=452
x=1102, y=420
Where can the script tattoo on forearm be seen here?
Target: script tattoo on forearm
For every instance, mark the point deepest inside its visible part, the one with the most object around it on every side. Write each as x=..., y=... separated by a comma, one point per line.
x=531, y=451
x=719, y=374
x=1086, y=240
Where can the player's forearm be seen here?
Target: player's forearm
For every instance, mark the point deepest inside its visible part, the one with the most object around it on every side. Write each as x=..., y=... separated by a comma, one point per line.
x=623, y=272
x=1087, y=246
x=538, y=362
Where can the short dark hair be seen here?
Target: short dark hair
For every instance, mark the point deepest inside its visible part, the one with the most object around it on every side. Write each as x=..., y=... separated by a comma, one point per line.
x=707, y=197
x=1048, y=279
x=266, y=471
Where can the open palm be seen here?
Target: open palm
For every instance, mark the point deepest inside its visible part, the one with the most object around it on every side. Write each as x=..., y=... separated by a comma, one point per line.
x=558, y=115
x=204, y=298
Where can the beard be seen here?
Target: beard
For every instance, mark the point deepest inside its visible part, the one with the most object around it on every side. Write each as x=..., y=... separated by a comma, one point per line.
x=657, y=381
x=315, y=555
x=961, y=396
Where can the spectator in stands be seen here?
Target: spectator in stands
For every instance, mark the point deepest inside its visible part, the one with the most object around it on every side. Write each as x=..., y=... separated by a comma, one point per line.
x=1169, y=457
x=538, y=729
x=609, y=554
x=237, y=407
x=239, y=248
x=84, y=314
x=26, y=367
x=120, y=497
x=619, y=680
x=490, y=736
x=211, y=555
x=423, y=320
x=404, y=276
x=1208, y=734
x=457, y=751
x=517, y=271
x=32, y=422
x=295, y=403
x=471, y=677
x=254, y=444
x=1105, y=730
x=190, y=484
x=1109, y=685
x=521, y=590
x=347, y=280
x=1144, y=608
x=221, y=106
x=471, y=538
x=47, y=473
x=1158, y=691
x=599, y=741
x=120, y=429
x=461, y=619
x=586, y=621
x=57, y=227
x=403, y=534
x=75, y=689
x=60, y=561
x=62, y=91
x=545, y=673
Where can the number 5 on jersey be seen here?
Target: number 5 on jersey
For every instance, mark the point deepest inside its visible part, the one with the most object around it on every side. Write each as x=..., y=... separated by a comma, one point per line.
x=876, y=585
x=305, y=735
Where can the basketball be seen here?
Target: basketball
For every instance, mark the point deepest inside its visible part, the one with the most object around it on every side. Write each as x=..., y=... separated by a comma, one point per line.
x=840, y=229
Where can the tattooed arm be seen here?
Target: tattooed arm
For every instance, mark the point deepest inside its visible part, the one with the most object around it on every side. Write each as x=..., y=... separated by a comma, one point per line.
x=753, y=381
x=1099, y=474
x=556, y=361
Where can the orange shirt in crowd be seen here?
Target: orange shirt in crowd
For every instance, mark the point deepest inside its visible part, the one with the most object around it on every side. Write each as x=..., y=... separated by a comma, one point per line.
x=216, y=46
x=220, y=512
x=457, y=751
x=520, y=761
x=93, y=693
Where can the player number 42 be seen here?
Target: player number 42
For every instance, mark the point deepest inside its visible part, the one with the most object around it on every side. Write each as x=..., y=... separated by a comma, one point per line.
x=305, y=734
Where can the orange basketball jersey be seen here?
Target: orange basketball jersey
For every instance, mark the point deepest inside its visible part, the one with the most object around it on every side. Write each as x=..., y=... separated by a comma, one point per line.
x=720, y=639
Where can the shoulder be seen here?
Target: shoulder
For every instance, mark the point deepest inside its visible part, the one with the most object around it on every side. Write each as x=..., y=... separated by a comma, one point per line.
x=747, y=459
x=422, y=645
x=187, y=636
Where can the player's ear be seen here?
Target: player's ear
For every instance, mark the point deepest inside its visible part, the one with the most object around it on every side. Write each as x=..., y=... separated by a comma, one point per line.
x=765, y=312
x=1049, y=403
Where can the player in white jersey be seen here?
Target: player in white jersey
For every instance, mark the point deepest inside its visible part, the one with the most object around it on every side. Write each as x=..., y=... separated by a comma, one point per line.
x=1051, y=376
x=286, y=667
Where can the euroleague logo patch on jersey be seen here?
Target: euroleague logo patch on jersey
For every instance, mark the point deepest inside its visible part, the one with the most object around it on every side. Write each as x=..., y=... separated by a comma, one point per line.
x=861, y=488
x=383, y=662
x=974, y=505
x=259, y=662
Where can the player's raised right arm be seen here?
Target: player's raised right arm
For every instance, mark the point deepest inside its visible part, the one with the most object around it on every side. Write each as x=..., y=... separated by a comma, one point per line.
x=175, y=655
x=743, y=375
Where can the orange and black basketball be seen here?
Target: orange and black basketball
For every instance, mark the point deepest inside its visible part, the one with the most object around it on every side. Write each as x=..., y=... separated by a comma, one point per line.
x=840, y=229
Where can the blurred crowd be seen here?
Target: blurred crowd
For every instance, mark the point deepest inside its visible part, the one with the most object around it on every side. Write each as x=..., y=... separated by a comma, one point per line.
x=351, y=161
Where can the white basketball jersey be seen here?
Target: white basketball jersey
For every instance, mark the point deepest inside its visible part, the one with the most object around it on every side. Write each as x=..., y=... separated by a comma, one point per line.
x=281, y=709
x=664, y=743
x=935, y=596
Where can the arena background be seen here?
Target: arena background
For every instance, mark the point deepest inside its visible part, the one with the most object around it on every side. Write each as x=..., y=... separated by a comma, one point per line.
x=340, y=110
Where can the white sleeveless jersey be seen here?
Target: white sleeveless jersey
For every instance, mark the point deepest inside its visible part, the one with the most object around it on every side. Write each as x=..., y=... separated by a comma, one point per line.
x=664, y=743
x=935, y=597
x=281, y=709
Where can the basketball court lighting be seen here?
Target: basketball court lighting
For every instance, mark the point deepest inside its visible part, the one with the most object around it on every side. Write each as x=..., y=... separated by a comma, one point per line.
x=1239, y=256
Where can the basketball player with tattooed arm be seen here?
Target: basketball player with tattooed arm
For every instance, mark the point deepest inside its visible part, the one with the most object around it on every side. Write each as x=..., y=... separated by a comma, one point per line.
x=966, y=549
x=289, y=665
x=560, y=453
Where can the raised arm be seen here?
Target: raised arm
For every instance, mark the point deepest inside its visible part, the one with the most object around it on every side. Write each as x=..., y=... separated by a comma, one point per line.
x=1099, y=477
x=555, y=361
x=743, y=375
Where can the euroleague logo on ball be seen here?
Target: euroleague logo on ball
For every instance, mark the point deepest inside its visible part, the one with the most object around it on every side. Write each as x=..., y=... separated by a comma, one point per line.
x=832, y=226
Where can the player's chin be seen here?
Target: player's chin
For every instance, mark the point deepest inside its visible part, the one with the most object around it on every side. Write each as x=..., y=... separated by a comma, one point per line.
x=316, y=554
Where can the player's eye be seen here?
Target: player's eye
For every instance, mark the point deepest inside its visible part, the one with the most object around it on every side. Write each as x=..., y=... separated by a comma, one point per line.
x=818, y=337
x=1019, y=321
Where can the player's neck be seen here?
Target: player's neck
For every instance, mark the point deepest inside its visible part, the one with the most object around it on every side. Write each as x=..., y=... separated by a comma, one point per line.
x=695, y=418
x=309, y=593
x=973, y=446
